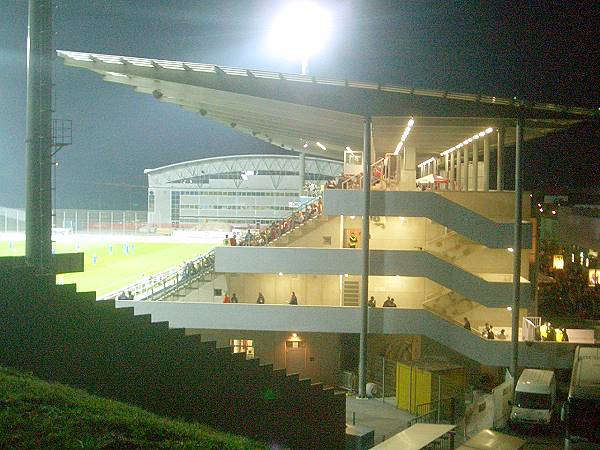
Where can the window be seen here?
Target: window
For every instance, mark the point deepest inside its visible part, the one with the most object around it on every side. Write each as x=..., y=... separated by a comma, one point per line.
x=243, y=346
x=150, y=201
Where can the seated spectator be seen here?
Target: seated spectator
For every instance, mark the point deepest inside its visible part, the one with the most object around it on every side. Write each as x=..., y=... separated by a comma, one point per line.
x=226, y=298
x=261, y=299
x=123, y=296
x=502, y=335
x=293, y=299
x=234, y=298
x=371, y=302
x=226, y=240
x=490, y=334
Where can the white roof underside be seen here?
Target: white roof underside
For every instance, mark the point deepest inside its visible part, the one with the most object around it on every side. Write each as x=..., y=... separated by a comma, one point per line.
x=290, y=111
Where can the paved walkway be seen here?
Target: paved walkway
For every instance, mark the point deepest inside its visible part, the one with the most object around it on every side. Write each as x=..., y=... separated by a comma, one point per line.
x=384, y=418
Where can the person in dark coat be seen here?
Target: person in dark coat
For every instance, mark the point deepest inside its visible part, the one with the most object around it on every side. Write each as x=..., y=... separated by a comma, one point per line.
x=293, y=299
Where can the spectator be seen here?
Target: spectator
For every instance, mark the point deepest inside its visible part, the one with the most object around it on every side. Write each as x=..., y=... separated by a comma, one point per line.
x=226, y=298
x=389, y=303
x=485, y=331
x=502, y=336
x=372, y=303
x=234, y=298
x=551, y=334
x=226, y=240
x=490, y=334
x=232, y=240
x=293, y=299
x=248, y=238
x=261, y=299
x=565, y=336
x=123, y=296
x=467, y=324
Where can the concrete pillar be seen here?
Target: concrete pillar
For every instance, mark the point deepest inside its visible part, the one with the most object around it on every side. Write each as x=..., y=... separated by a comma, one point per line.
x=301, y=172
x=465, y=169
x=486, y=163
x=446, y=164
x=451, y=172
x=458, y=170
x=517, y=246
x=364, y=286
x=499, y=161
x=475, y=164
x=38, y=224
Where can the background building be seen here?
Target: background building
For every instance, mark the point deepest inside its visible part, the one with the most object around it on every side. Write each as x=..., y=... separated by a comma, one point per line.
x=245, y=189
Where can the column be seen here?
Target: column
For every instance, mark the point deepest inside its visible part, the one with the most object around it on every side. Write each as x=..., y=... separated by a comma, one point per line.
x=301, y=171
x=465, y=169
x=446, y=165
x=475, y=164
x=364, y=286
x=500, y=163
x=486, y=163
x=38, y=225
x=458, y=170
x=451, y=172
x=517, y=246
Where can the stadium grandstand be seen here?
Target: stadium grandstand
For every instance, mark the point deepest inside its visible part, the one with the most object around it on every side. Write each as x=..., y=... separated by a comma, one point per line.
x=242, y=189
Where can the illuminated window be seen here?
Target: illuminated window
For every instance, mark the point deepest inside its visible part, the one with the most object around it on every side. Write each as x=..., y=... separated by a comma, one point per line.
x=558, y=262
x=243, y=346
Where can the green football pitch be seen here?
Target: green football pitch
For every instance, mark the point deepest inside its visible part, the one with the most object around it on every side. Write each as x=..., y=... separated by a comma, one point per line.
x=117, y=269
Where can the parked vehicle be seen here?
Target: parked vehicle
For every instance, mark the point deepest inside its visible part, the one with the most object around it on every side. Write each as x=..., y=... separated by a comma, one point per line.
x=581, y=411
x=535, y=398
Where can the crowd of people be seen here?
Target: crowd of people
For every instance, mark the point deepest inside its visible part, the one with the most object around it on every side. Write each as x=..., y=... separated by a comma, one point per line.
x=545, y=332
x=264, y=236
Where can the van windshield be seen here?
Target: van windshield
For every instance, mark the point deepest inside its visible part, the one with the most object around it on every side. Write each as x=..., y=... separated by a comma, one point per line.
x=531, y=400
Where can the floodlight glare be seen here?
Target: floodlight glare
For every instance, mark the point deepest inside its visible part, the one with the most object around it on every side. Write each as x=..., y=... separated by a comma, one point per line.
x=300, y=31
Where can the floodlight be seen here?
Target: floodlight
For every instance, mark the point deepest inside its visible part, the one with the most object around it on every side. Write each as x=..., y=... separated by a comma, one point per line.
x=300, y=30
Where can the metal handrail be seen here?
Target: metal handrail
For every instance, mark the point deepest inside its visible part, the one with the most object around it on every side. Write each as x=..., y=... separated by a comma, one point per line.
x=180, y=277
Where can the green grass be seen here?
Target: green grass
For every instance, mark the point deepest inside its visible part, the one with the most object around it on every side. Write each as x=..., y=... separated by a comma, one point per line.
x=114, y=271
x=37, y=414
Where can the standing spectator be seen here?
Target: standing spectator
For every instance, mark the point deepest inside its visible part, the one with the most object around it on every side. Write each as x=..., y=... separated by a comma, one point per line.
x=467, y=324
x=226, y=240
x=232, y=240
x=551, y=334
x=293, y=299
x=226, y=298
x=389, y=303
x=234, y=298
x=261, y=299
x=486, y=329
x=490, y=334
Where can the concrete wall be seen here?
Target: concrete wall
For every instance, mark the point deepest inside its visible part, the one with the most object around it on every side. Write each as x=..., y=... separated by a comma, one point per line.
x=322, y=350
x=444, y=210
x=311, y=319
x=383, y=263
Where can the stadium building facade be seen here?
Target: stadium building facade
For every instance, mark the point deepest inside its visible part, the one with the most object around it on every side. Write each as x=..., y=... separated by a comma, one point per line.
x=458, y=247
x=241, y=189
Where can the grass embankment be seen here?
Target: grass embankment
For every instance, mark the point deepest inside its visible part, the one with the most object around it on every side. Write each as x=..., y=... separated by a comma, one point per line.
x=37, y=414
x=115, y=268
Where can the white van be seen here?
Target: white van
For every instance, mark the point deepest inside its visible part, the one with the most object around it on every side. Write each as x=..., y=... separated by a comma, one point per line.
x=535, y=398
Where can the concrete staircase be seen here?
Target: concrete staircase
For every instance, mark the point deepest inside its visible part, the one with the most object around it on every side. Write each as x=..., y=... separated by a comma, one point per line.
x=299, y=231
x=61, y=335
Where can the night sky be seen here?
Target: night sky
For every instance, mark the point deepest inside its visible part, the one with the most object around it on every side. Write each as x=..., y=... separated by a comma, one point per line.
x=546, y=51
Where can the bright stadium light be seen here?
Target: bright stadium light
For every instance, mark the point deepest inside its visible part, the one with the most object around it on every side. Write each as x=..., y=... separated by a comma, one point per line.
x=300, y=30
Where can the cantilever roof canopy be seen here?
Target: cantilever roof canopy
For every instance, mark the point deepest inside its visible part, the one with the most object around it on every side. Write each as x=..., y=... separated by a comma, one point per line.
x=299, y=112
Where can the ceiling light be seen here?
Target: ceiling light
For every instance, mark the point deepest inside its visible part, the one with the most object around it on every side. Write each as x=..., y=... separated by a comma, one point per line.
x=321, y=146
x=305, y=145
x=489, y=130
x=481, y=133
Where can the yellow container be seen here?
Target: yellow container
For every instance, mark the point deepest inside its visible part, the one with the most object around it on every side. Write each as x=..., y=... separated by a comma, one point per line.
x=422, y=382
